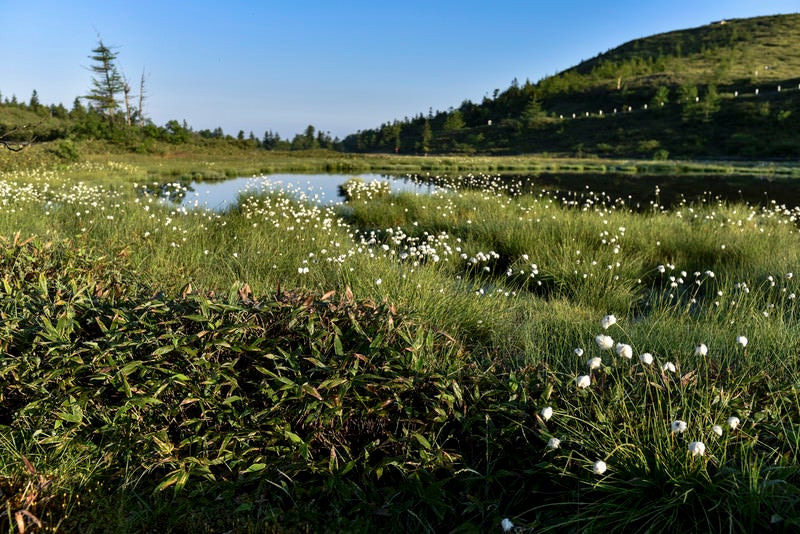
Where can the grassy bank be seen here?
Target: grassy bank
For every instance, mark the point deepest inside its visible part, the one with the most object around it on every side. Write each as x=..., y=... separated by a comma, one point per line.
x=215, y=161
x=400, y=362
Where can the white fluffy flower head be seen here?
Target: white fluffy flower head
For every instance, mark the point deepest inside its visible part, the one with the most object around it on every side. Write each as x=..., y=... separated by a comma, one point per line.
x=599, y=467
x=546, y=413
x=679, y=426
x=646, y=358
x=624, y=350
x=554, y=443
x=733, y=422
x=741, y=340
x=583, y=381
x=700, y=349
x=594, y=363
x=607, y=321
x=697, y=448
x=604, y=342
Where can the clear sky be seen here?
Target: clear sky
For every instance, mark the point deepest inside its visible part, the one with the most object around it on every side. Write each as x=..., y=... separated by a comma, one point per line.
x=340, y=65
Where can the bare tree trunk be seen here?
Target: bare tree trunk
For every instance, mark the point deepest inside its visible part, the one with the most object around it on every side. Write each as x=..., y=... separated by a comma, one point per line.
x=126, y=89
x=141, y=100
x=111, y=96
x=16, y=146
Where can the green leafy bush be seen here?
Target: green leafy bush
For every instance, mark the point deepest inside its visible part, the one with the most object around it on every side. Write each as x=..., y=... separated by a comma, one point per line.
x=67, y=150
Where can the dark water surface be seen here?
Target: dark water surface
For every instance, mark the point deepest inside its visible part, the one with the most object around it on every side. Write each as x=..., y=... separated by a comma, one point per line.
x=668, y=191
x=638, y=191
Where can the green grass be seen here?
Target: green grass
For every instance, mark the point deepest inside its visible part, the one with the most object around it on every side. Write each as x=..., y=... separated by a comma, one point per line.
x=216, y=161
x=735, y=51
x=384, y=364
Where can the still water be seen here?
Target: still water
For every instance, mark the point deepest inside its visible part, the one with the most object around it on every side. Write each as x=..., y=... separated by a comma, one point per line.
x=637, y=191
x=640, y=190
x=318, y=188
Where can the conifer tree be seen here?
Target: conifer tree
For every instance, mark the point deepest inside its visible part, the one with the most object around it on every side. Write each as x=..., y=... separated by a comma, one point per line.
x=427, y=137
x=107, y=83
x=454, y=121
x=34, y=103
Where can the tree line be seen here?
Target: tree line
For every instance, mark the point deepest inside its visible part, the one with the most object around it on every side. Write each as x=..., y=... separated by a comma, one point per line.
x=113, y=110
x=684, y=81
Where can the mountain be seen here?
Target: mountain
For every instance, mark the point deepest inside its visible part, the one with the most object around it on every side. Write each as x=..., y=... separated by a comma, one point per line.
x=729, y=89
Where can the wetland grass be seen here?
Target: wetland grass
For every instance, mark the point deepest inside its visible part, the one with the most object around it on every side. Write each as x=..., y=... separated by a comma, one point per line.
x=401, y=361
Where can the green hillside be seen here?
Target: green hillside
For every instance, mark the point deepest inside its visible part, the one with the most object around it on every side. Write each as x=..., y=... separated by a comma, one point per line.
x=731, y=51
x=727, y=89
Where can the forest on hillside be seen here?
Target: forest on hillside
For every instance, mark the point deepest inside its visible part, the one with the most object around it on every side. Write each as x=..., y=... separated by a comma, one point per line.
x=730, y=89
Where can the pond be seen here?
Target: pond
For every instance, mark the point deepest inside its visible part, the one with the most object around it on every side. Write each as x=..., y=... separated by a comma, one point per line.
x=319, y=188
x=636, y=190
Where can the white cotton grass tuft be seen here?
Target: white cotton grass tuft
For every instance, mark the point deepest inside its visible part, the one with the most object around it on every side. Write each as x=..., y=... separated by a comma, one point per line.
x=599, y=467
x=583, y=381
x=646, y=358
x=700, y=349
x=679, y=427
x=716, y=429
x=546, y=413
x=608, y=321
x=579, y=352
x=733, y=422
x=594, y=363
x=697, y=448
x=507, y=525
x=553, y=443
x=604, y=342
x=669, y=367
x=624, y=350
x=742, y=341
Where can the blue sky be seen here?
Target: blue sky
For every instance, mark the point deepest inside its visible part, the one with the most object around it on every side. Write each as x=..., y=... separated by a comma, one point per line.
x=340, y=66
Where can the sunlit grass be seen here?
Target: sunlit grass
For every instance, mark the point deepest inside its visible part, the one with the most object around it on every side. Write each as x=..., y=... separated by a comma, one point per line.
x=394, y=356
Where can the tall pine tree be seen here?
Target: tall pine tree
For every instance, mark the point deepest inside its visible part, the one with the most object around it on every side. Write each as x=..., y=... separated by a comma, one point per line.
x=107, y=84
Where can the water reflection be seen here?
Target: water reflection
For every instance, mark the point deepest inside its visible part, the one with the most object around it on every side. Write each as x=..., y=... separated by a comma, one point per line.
x=317, y=188
x=636, y=191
